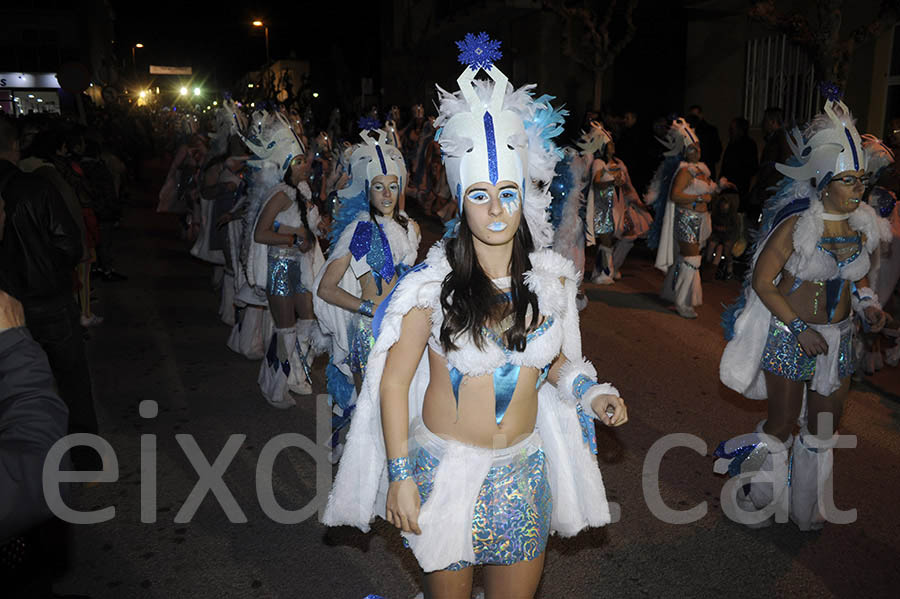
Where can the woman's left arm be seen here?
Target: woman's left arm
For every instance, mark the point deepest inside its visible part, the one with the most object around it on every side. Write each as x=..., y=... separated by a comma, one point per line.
x=866, y=304
x=578, y=380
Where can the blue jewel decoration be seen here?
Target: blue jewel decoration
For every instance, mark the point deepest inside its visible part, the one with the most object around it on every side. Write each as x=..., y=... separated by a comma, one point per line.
x=339, y=387
x=737, y=456
x=830, y=91
x=368, y=123
x=478, y=51
x=272, y=357
x=491, y=147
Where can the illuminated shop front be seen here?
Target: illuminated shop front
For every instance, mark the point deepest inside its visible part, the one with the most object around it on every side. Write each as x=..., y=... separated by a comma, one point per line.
x=29, y=93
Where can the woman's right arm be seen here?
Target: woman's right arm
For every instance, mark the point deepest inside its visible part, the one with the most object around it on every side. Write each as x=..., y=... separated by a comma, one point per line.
x=264, y=232
x=329, y=289
x=682, y=180
x=769, y=265
x=402, y=508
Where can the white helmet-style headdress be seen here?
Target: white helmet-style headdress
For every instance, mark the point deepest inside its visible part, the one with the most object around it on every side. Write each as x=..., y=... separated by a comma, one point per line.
x=371, y=158
x=489, y=132
x=834, y=145
x=271, y=138
x=679, y=137
x=594, y=139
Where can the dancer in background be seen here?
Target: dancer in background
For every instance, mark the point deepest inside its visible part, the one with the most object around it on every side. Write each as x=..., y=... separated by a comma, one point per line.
x=372, y=243
x=790, y=333
x=680, y=192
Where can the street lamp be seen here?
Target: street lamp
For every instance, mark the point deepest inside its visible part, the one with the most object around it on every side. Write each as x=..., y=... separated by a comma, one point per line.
x=182, y=91
x=133, y=61
x=259, y=23
x=196, y=91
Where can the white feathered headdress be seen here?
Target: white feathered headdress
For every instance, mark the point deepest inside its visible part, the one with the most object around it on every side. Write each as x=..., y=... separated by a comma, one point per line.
x=679, y=137
x=270, y=137
x=831, y=144
x=594, y=139
x=490, y=132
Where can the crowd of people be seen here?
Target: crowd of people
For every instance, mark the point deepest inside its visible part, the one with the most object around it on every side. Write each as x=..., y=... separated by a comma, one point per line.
x=458, y=383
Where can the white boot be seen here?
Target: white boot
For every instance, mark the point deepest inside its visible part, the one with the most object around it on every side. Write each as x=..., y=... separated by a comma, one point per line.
x=813, y=463
x=620, y=252
x=276, y=368
x=688, y=292
x=603, y=267
x=768, y=458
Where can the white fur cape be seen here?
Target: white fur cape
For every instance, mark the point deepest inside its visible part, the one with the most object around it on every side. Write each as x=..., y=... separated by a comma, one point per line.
x=739, y=368
x=360, y=488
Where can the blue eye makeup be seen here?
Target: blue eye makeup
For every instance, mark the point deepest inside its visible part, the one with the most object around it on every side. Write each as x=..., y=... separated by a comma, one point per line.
x=478, y=196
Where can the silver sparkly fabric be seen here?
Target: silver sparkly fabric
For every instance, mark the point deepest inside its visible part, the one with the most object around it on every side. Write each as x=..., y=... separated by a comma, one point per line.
x=283, y=276
x=603, y=209
x=687, y=225
x=783, y=355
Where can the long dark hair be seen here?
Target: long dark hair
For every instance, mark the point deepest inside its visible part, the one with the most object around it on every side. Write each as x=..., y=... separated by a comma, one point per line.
x=468, y=295
x=301, y=203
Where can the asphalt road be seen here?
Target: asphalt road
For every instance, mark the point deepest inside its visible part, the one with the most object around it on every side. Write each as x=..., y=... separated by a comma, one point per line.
x=162, y=341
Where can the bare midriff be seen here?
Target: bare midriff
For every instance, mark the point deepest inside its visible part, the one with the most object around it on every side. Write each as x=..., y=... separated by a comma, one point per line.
x=474, y=422
x=809, y=301
x=370, y=289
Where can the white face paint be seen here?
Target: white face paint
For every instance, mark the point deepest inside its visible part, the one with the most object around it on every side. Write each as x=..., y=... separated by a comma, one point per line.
x=511, y=200
x=384, y=192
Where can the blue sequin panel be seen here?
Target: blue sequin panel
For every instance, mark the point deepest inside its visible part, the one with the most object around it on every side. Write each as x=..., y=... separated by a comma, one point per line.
x=283, y=277
x=784, y=356
x=362, y=340
x=603, y=209
x=512, y=513
x=687, y=225
x=845, y=357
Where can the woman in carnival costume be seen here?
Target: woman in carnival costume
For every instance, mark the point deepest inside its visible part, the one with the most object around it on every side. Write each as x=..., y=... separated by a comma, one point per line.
x=373, y=242
x=790, y=332
x=680, y=191
x=282, y=254
x=474, y=427
x=877, y=348
x=615, y=215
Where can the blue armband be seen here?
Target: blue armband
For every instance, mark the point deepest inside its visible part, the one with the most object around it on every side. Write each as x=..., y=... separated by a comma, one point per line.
x=399, y=469
x=366, y=308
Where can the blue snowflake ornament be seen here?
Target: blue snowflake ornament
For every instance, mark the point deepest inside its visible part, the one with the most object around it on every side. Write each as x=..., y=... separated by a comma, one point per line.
x=479, y=51
x=830, y=91
x=368, y=123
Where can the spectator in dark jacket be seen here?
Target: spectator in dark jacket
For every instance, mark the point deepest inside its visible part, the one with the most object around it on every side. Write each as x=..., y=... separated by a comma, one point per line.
x=710, y=142
x=775, y=150
x=40, y=248
x=740, y=163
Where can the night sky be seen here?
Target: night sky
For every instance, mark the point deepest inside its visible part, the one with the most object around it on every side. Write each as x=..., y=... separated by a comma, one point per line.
x=219, y=42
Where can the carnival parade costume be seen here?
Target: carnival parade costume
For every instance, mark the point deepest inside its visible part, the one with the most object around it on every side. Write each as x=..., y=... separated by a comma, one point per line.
x=383, y=248
x=278, y=271
x=674, y=224
x=787, y=473
x=483, y=505
x=613, y=207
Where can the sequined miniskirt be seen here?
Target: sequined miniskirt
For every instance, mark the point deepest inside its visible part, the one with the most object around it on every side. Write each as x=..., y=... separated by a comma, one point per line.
x=689, y=226
x=511, y=494
x=283, y=276
x=783, y=355
x=604, y=197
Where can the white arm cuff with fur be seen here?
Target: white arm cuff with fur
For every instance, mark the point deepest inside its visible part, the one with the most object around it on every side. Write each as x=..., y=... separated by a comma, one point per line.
x=568, y=378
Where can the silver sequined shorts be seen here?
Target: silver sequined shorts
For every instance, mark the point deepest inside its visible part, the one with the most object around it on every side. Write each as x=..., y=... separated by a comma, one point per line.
x=687, y=225
x=603, y=210
x=784, y=356
x=511, y=522
x=283, y=277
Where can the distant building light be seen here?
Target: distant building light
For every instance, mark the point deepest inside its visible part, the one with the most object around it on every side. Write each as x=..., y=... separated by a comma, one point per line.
x=215, y=102
x=252, y=104
x=257, y=23
x=315, y=94
x=30, y=95
x=142, y=94
x=39, y=100
x=249, y=85
x=183, y=91
x=196, y=91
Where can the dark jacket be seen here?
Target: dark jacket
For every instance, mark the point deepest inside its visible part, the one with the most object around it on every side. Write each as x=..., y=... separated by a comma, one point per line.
x=41, y=243
x=32, y=419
